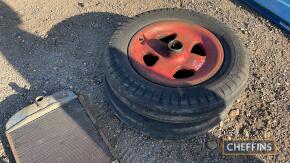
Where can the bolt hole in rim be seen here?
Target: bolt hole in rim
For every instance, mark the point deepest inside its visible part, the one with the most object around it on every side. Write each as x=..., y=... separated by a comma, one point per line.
x=183, y=73
x=175, y=53
x=198, y=49
x=150, y=59
x=168, y=38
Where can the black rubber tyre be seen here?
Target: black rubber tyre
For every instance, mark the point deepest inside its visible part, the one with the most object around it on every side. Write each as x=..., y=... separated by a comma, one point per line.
x=174, y=104
x=159, y=129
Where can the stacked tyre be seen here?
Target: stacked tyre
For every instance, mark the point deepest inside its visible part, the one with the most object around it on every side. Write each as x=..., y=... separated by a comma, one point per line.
x=174, y=73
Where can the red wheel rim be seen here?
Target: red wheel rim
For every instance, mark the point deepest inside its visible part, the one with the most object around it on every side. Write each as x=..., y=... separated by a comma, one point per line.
x=175, y=53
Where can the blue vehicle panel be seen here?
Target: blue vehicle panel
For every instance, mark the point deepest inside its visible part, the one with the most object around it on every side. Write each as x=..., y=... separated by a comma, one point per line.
x=277, y=11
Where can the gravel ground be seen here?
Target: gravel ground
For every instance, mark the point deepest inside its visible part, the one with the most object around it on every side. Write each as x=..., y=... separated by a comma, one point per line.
x=49, y=46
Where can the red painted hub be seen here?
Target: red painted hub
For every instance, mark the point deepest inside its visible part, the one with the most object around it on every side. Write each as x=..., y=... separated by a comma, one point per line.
x=175, y=53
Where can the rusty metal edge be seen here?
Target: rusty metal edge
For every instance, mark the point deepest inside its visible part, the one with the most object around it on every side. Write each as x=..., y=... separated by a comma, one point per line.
x=38, y=109
x=12, y=147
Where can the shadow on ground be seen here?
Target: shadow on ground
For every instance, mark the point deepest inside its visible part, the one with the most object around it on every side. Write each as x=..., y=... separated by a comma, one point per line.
x=70, y=57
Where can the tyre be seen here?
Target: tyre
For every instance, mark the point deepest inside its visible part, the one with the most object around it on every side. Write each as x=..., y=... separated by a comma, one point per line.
x=174, y=67
x=159, y=129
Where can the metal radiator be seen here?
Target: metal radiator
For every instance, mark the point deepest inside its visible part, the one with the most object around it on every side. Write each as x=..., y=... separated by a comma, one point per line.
x=56, y=129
